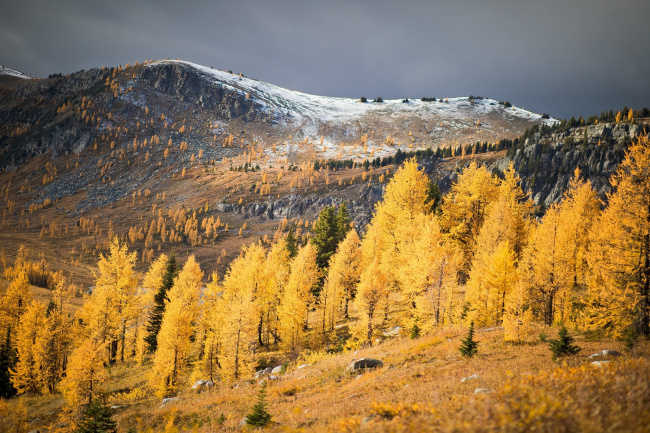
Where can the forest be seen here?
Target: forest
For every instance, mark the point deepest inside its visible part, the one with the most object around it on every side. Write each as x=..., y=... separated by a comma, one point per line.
x=481, y=255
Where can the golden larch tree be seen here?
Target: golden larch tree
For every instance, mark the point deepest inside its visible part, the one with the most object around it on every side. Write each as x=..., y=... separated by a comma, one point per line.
x=465, y=208
x=298, y=298
x=181, y=312
x=25, y=378
x=85, y=374
x=619, y=255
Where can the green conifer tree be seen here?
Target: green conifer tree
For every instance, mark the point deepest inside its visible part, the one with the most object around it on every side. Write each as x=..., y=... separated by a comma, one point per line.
x=155, y=319
x=260, y=417
x=292, y=244
x=563, y=345
x=469, y=347
x=7, y=362
x=97, y=419
x=326, y=236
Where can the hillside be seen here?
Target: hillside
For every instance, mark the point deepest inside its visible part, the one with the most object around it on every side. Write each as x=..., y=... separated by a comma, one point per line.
x=424, y=385
x=118, y=146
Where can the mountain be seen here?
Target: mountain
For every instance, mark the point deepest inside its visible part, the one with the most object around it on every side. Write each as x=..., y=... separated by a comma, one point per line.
x=110, y=149
x=213, y=104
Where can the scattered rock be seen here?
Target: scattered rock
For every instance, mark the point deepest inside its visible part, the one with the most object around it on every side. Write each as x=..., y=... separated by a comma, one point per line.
x=393, y=332
x=483, y=391
x=277, y=370
x=599, y=363
x=365, y=363
x=119, y=406
x=273, y=377
x=203, y=385
x=472, y=377
x=169, y=400
x=302, y=366
x=605, y=352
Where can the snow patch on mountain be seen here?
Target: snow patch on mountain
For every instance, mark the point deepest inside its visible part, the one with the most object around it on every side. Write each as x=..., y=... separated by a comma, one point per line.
x=13, y=73
x=309, y=110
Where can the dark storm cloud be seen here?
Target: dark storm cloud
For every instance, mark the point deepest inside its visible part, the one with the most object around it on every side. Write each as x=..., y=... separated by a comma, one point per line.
x=565, y=57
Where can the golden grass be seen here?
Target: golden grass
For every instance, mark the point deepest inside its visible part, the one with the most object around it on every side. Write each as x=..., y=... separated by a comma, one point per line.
x=418, y=389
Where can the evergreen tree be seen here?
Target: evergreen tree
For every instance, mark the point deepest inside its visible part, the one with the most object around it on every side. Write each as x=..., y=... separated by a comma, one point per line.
x=434, y=197
x=97, y=419
x=291, y=244
x=342, y=221
x=326, y=236
x=562, y=346
x=260, y=417
x=156, y=317
x=469, y=347
x=415, y=329
x=7, y=362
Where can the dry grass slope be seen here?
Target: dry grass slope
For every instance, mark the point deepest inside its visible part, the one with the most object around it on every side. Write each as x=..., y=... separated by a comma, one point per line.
x=418, y=389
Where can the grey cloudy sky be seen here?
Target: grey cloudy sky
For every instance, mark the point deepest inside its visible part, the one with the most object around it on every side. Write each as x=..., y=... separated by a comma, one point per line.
x=563, y=57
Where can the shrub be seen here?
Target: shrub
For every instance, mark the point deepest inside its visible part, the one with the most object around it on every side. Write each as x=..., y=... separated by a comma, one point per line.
x=379, y=99
x=363, y=99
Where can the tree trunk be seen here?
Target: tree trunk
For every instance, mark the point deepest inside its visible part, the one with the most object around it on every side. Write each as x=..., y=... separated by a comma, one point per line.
x=259, y=330
x=645, y=291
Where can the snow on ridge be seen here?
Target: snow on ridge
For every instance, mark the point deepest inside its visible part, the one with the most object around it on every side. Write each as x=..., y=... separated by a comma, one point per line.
x=13, y=73
x=303, y=108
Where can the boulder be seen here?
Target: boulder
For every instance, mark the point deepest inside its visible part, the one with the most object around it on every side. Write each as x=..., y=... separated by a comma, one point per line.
x=302, y=366
x=169, y=400
x=468, y=378
x=607, y=352
x=277, y=370
x=483, y=391
x=393, y=332
x=202, y=385
x=599, y=364
x=273, y=377
x=365, y=363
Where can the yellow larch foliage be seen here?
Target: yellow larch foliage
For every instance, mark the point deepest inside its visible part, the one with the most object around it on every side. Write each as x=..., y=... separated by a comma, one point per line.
x=238, y=333
x=619, y=256
x=543, y=265
x=517, y=315
x=507, y=220
x=579, y=209
x=370, y=300
x=52, y=347
x=427, y=273
x=465, y=208
x=342, y=278
x=267, y=300
x=111, y=308
x=152, y=281
x=404, y=201
x=25, y=377
x=85, y=374
x=210, y=325
x=181, y=312
x=298, y=298
x=15, y=300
